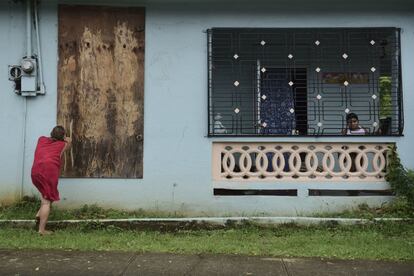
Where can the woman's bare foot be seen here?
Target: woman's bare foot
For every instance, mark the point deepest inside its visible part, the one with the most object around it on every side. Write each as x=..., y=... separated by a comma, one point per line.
x=45, y=233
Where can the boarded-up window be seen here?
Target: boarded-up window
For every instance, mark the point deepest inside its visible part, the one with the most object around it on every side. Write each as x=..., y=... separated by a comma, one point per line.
x=101, y=90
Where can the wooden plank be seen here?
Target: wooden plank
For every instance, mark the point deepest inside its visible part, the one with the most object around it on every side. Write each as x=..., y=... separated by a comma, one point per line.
x=101, y=90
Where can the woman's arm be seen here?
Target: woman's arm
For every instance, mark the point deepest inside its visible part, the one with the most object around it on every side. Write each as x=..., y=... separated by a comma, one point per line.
x=68, y=143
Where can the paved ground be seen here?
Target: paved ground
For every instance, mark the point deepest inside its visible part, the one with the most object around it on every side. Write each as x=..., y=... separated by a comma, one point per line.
x=35, y=262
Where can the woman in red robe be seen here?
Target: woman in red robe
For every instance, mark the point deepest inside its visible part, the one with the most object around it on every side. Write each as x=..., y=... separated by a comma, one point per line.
x=46, y=170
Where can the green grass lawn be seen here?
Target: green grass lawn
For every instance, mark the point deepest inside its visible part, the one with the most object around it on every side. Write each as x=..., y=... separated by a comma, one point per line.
x=380, y=241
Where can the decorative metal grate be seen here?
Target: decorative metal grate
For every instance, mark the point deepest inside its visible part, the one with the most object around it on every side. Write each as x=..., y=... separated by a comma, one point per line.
x=279, y=82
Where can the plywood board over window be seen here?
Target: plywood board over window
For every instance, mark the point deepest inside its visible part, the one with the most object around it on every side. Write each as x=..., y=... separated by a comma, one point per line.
x=101, y=90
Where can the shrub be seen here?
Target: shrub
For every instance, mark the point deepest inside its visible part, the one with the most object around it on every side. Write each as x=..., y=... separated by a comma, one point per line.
x=400, y=179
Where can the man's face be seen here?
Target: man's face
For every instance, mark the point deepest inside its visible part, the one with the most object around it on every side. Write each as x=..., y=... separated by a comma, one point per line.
x=353, y=123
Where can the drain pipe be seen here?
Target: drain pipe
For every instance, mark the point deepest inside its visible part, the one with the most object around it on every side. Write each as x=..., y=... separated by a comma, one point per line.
x=24, y=147
x=28, y=29
x=42, y=86
x=28, y=55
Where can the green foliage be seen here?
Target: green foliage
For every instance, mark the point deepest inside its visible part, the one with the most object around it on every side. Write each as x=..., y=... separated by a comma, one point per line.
x=20, y=210
x=28, y=206
x=385, y=96
x=398, y=208
x=400, y=179
x=90, y=212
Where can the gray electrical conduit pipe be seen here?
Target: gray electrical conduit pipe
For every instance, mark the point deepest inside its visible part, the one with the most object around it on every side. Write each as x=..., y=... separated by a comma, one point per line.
x=42, y=86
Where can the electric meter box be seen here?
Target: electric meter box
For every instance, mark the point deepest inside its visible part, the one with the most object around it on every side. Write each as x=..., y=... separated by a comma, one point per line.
x=29, y=77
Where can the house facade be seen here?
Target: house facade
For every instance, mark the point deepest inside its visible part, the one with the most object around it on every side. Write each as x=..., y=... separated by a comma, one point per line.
x=209, y=107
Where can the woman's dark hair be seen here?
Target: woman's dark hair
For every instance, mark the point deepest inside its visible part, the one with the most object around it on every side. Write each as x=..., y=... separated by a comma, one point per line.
x=58, y=133
x=351, y=116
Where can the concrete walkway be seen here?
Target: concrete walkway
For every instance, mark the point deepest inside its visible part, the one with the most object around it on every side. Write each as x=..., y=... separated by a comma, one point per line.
x=35, y=262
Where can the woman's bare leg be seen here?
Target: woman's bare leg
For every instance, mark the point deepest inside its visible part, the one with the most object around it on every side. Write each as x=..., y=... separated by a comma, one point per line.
x=44, y=215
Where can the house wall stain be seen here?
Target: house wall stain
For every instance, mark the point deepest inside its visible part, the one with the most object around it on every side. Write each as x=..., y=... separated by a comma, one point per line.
x=9, y=197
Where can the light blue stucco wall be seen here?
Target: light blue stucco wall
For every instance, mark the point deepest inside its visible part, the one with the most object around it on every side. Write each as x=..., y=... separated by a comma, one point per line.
x=11, y=107
x=177, y=153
